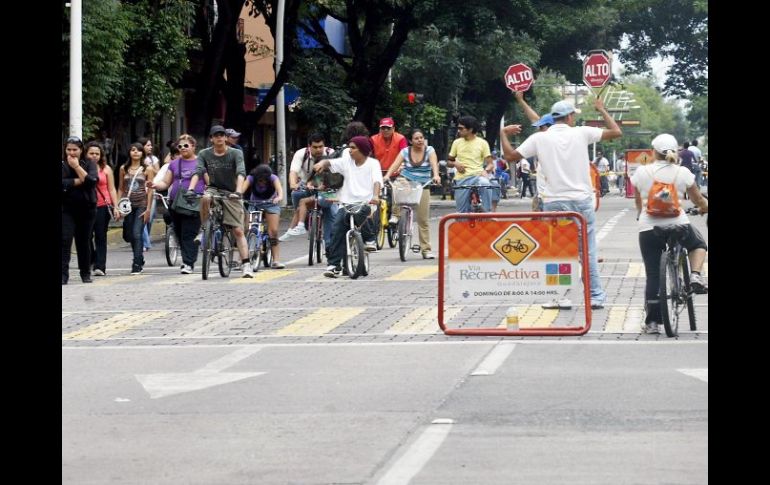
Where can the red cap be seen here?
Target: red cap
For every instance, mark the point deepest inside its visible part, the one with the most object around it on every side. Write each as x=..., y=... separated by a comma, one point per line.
x=387, y=122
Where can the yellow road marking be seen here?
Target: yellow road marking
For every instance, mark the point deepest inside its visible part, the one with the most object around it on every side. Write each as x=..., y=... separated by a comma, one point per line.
x=111, y=280
x=113, y=325
x=321, y=321
x=265, y=275
x=533, y=316
x=210, y=325
x=634, y=318
x=414, y=273
x=422, y=320
x=616, y=319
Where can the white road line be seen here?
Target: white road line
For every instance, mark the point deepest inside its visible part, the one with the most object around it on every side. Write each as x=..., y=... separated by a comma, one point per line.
x=702, y=374
x=421, y=451
x=610, y=225
x=494, y=359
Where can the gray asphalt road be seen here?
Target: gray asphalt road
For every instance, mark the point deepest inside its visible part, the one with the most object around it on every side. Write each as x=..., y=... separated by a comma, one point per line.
x=294, y=378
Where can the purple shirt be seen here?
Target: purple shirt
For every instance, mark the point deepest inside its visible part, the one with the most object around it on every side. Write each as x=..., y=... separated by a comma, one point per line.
x=261, y=193
x=188, y=170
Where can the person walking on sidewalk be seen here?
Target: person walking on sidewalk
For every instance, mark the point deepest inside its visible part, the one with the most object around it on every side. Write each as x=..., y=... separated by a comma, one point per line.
x=78, y=208
x=106, y=207
x=561, y=151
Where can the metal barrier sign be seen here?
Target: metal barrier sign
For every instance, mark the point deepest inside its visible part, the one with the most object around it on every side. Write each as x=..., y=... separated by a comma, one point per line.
x=498, y=260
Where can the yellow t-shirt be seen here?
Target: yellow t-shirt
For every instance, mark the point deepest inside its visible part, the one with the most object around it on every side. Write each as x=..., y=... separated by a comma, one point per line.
x=471, y=154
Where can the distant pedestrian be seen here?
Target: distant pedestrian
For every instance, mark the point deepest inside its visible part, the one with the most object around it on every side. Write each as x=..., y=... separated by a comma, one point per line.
x=106, y=206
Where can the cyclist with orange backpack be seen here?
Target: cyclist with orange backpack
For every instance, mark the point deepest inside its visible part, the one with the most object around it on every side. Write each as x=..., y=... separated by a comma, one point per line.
x=659, y=187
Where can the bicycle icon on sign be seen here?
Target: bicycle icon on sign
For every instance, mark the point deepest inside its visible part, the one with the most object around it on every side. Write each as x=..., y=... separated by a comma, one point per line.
x=517, y=246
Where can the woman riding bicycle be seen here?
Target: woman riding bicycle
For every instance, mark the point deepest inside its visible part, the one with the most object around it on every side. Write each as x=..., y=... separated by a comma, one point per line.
x=421, y=161
x=266, y=191
x=666, y=180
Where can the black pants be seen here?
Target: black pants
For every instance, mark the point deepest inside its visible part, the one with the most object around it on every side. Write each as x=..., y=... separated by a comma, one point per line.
x=99, y=242
x=652, y=247
x=526, y=185
x=76, y=222
x=186, y=228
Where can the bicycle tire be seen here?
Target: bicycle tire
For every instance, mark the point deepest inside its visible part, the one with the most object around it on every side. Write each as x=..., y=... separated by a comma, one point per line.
x=225, y=254
x=355, y=257
x=392, y=231
x=382, y=224
x=319, y=242
x=669, y=295
x=172, y=250
x=253, y=245
x=312, y=234
x=403, y=237
x=267, y=252
x=688, y=294
x=206, y=250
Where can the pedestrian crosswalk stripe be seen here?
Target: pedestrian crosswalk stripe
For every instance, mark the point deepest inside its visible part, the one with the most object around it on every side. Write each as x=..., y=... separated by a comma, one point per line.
x=218, y=322
x=112, y=280
x=262, y=276
x=414, y=273
x=114, y=325
x=321, y=321
x=422, y=320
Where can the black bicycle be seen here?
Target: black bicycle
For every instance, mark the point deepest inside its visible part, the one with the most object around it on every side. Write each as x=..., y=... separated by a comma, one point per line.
x=218, y=241
x=675, y=293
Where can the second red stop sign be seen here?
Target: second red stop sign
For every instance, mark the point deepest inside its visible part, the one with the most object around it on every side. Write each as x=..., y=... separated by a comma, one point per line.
x=518, y=77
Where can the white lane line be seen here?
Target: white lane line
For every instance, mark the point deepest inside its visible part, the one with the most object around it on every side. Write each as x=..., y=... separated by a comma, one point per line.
x=415, y=458
x=702, y=374
x=494, y=359
x=610, y=225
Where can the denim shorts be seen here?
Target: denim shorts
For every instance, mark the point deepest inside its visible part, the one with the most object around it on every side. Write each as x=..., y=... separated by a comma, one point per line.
x=265, y=205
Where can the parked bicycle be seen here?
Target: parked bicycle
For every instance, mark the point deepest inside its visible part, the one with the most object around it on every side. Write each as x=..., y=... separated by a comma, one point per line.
x=407, y=194
x=258, y=240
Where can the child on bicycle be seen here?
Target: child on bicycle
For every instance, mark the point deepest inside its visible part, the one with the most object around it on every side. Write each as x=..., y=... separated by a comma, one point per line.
x=266, y=191
x=677, y=180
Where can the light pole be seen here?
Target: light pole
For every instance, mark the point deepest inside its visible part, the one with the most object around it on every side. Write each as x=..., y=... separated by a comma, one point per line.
x=76, y=69
x=280, y=106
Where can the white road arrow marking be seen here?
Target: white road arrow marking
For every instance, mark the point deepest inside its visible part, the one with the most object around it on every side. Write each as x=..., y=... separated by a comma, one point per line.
x=702, y=374
x=162, y=385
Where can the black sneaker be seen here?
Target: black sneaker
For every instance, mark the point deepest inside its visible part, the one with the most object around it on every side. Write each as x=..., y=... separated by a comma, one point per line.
x=86, y=279
x=136, y=270
x=333, y=272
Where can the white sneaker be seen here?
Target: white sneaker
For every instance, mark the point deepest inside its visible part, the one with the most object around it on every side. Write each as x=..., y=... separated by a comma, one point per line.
x=286, y=236
x=98, y=272
x=370, y=246
x=393, y=220
x=561, y=304
x=186, y=269
x=247, y=272
x=298, y=230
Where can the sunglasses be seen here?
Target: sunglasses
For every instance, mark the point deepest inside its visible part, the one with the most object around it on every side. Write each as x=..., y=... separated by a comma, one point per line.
x=183, y=145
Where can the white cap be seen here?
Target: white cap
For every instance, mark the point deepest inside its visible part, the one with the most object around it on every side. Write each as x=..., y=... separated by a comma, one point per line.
x=664, y=142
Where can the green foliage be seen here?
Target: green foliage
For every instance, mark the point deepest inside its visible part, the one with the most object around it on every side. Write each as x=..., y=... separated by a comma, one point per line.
x=257, y=47
x=698, y=115
x=324, y=106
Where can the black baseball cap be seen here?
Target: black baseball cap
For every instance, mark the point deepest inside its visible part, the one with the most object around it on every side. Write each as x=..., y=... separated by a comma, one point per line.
x=216, y=129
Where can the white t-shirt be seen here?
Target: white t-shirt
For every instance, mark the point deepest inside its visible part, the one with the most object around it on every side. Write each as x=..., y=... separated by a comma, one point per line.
x=696, y=151
x=161, y=173
x=563, y=154
x=663, y=172
x=359, y=181
x=300, y=166
x=603, y=165
x=524, y=165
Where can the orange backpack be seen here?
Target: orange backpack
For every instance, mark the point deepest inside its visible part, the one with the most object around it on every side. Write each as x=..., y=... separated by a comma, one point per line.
x=662, y=199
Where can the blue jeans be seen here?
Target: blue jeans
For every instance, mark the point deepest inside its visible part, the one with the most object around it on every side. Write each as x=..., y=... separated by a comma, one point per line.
x=463, y=196
x=147, y=230
x=586, y=208
x=328, y=213
x=297, y=195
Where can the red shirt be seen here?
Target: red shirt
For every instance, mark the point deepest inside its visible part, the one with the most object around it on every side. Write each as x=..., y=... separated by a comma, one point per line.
x=386, y=152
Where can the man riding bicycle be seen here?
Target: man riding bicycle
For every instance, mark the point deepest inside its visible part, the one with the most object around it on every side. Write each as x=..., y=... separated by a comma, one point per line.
x=363, y=179
x=227, y=173
x=469, y=155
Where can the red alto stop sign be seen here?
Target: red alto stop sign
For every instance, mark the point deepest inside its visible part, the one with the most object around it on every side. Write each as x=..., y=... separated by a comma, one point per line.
x=596, y=69
x=518, y=77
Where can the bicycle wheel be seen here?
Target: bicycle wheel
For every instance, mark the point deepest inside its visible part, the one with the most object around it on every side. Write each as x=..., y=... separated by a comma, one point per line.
x=356, y=255
x=206, y=249
x=319, y=241
x=253, y=244
x=226, y=248
x=381, y=225
x=688, y=294
x=267, y=252
x=172, y=247
x=312, y=234
x=669, y=295
x=404, y=239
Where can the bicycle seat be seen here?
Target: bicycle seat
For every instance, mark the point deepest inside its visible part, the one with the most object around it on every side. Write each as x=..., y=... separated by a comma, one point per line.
x=674, y=233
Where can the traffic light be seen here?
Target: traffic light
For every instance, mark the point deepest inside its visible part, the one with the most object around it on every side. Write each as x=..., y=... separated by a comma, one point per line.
x=413, y=98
